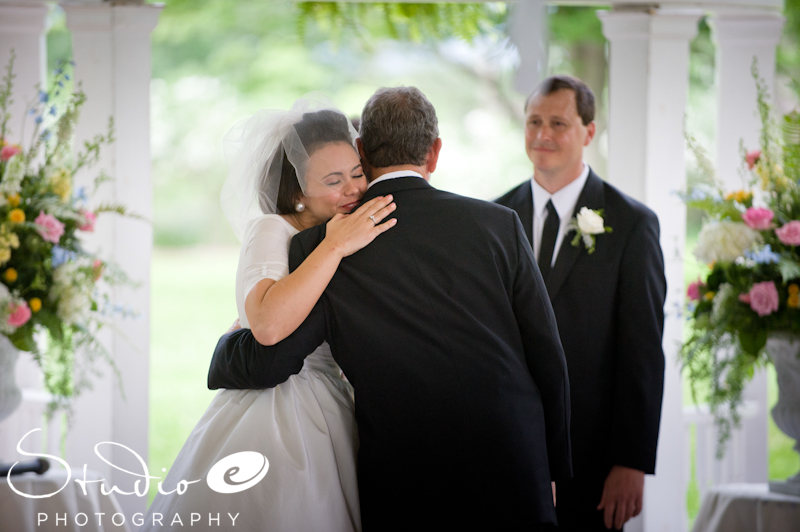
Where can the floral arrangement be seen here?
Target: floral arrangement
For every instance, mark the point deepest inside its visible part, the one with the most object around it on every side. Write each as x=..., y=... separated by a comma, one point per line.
x=53, y=292
x=750, y=240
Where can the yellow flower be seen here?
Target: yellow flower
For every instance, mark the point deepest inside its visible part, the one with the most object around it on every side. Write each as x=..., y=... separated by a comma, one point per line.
x=793, y=301
x=794, y=289
x=709, y=296
x=17, y=216
x=13, y=200
x=10, y=275
x=35, y=304
x=740, y=196
x=5, y=255
x=61, y=183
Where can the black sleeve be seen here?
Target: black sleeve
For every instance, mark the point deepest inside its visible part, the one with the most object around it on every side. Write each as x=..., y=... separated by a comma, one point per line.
x=639, y=379
x=544, y=354
x=240, y=362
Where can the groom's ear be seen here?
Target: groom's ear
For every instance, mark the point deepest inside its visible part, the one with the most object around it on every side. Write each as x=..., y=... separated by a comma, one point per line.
x=433, y=156
x=360, y=148
x=364, y=163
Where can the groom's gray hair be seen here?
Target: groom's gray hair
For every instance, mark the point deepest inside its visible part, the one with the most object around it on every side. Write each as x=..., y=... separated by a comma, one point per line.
x=398, y=126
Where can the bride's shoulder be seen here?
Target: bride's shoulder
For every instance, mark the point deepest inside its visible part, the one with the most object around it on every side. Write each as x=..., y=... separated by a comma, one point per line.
x=269, y=223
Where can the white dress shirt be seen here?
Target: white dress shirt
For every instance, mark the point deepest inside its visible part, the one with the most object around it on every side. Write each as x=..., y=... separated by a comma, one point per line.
x=564, y=201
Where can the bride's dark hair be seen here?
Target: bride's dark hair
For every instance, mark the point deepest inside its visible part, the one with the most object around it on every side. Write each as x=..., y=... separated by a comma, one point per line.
x=314, y=130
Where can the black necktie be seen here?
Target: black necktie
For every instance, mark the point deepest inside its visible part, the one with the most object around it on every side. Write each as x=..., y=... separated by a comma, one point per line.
x=549, y=234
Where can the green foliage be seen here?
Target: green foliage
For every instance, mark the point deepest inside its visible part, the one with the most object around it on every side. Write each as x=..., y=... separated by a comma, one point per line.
x=788, y=56
x=575, y=24
x=404, y=21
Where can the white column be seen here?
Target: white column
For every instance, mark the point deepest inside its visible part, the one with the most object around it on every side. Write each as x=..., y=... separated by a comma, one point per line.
x=111, y=46
x=742, y=35
x=528, y=31
x=648, y=86
x=22, y=28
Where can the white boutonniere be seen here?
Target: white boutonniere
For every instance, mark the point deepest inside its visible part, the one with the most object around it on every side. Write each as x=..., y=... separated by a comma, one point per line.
x=586, y=224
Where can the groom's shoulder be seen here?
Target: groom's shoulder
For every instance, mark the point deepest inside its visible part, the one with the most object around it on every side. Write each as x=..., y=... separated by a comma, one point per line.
x=309, y=239
x=625, y=206
x=480, y=209
x=513, y=195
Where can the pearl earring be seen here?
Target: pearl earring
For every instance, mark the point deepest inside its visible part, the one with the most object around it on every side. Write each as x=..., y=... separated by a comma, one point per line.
x=299, y=207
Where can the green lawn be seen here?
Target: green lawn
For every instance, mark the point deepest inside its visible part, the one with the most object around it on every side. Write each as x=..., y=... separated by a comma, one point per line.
x=193, y=303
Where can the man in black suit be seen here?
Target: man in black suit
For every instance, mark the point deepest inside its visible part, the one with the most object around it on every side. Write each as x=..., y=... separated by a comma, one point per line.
x=444, y=329
x=607, y=291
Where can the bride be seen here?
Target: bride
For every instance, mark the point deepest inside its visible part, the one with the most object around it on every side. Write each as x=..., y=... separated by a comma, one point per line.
x=291, y=170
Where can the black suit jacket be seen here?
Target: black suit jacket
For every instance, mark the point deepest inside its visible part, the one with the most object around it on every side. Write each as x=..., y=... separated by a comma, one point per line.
x=444, y=329
x=610, y=312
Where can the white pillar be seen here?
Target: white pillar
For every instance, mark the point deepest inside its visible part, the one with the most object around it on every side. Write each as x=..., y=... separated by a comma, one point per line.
x=528, y=31
x=648, y=86
x=22, y=28
x=740, y=36
x=111, y=46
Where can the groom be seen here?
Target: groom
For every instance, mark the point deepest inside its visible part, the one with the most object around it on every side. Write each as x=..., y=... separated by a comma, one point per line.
x=609, y=304
x=444, y=329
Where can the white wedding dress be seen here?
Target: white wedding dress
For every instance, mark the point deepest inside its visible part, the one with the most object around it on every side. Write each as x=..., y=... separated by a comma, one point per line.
x=305, y=427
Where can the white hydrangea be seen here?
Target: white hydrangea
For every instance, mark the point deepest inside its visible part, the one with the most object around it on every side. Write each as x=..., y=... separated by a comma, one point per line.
x=71, y=292
x=12, y=177
x=724, y=241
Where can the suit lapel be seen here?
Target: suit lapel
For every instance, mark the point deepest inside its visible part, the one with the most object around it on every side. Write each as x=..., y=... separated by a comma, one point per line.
x=591, y=196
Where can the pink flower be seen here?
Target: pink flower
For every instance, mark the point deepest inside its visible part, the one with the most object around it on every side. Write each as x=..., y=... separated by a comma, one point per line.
x=752, y=158
x=97, y=269
x=9, y=151
x=49, y=227
x=763, y=298
x=693, y=292
x=20, y=314
x=758, y=218
x=89, y=219
x=789, y=234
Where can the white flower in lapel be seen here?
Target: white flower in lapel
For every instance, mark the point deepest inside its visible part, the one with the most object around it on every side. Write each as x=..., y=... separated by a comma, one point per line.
x=586, y=224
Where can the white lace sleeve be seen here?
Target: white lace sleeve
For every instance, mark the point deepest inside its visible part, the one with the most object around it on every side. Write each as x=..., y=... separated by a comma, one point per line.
x=264, y=255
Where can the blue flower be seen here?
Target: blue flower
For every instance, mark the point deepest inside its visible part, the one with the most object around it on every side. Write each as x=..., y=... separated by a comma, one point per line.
x=80, y=194
x=66, y=76
x=763, y=256
x=38, y=119
x=702, y=192
x=46, y=134
x=43, y=97
x=52, y=110
x=61, y=255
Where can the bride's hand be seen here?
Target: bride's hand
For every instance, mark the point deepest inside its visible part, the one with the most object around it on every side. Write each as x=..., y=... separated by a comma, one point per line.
x=347, y=233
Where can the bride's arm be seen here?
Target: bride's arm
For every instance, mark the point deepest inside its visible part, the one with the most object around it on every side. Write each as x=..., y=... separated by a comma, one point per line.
x=276, y=308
